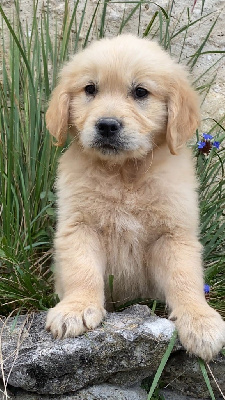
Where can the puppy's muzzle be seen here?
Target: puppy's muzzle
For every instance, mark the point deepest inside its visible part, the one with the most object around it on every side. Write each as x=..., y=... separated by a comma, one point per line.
x=108, y=127
x=108, y=139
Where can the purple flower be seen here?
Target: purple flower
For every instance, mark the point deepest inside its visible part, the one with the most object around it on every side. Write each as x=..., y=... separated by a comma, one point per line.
x=201, y=145
x=216, y=144
x=206, y=289
x=207, y=136
x=205, y=145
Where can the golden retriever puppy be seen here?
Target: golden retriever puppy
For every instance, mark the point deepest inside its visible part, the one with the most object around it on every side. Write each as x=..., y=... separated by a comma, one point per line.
x=127, y=201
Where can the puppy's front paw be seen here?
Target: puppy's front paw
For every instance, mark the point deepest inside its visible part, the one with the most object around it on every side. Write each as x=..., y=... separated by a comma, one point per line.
x=201, y=330
x=73, y=319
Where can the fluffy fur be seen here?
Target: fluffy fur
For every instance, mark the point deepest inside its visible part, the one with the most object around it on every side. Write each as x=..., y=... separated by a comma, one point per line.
x=127, y=205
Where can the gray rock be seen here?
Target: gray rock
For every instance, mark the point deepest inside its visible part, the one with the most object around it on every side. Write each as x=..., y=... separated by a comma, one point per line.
x=98, y=392
x=183, y=375
x=126, y=348
x=170, y=395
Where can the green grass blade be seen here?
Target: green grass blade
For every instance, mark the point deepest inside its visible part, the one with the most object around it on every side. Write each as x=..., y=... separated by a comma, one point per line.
x=103, y=18
x=67, y=33
x=187, y=26
x=91, y=24
x=148, y=29
x=206, y=378
x=162, y=364
x=195, y=57
x=125, y=21
x=80, y=26
x=19, y=47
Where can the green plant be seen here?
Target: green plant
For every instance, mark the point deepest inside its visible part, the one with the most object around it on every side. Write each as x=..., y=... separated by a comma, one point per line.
x=210, y=168
x=27, y=166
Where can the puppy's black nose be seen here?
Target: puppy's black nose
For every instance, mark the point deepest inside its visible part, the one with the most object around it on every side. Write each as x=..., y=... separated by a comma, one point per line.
x=108, y=127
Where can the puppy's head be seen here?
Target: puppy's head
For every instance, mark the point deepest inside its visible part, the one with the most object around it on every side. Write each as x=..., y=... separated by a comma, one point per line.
x=122, y=97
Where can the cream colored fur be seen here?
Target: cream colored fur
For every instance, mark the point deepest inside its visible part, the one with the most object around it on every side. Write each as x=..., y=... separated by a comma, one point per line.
x=131, y=214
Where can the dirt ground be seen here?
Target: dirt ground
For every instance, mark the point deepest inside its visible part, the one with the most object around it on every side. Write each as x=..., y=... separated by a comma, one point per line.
x=214, y=100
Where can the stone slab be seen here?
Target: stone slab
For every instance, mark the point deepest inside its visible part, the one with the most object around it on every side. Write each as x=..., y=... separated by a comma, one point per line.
x=125, y=349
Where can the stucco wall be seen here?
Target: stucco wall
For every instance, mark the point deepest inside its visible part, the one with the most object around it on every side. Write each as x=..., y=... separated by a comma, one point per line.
x=213, y=99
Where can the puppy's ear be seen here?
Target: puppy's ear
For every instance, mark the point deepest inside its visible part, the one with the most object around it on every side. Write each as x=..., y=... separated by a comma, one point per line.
x=57, y=116
x=183, y=113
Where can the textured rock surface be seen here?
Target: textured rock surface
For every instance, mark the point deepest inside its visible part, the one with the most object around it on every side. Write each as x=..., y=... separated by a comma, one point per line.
x=120, y=353
x=98, y=392
x=183, y=375
x=130, y=343
x=170, y=395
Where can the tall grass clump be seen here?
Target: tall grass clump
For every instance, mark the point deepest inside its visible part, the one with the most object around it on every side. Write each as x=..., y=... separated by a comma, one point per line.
x=210, y=168
x=27, y=166
x=31, y=55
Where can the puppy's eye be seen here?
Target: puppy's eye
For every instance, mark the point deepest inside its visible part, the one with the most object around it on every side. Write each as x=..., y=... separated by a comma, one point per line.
x=140, y=92
x=91, y=89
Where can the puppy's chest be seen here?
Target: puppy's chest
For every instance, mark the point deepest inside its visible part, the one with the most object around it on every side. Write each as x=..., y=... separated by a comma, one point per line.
x=120, y=211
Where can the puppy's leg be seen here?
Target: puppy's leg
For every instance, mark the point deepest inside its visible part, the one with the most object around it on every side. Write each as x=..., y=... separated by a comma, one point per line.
x=177, y=271
x=79, y=276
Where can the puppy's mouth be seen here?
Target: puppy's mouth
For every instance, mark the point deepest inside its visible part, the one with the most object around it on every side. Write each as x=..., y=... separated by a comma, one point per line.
x=108, y=147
